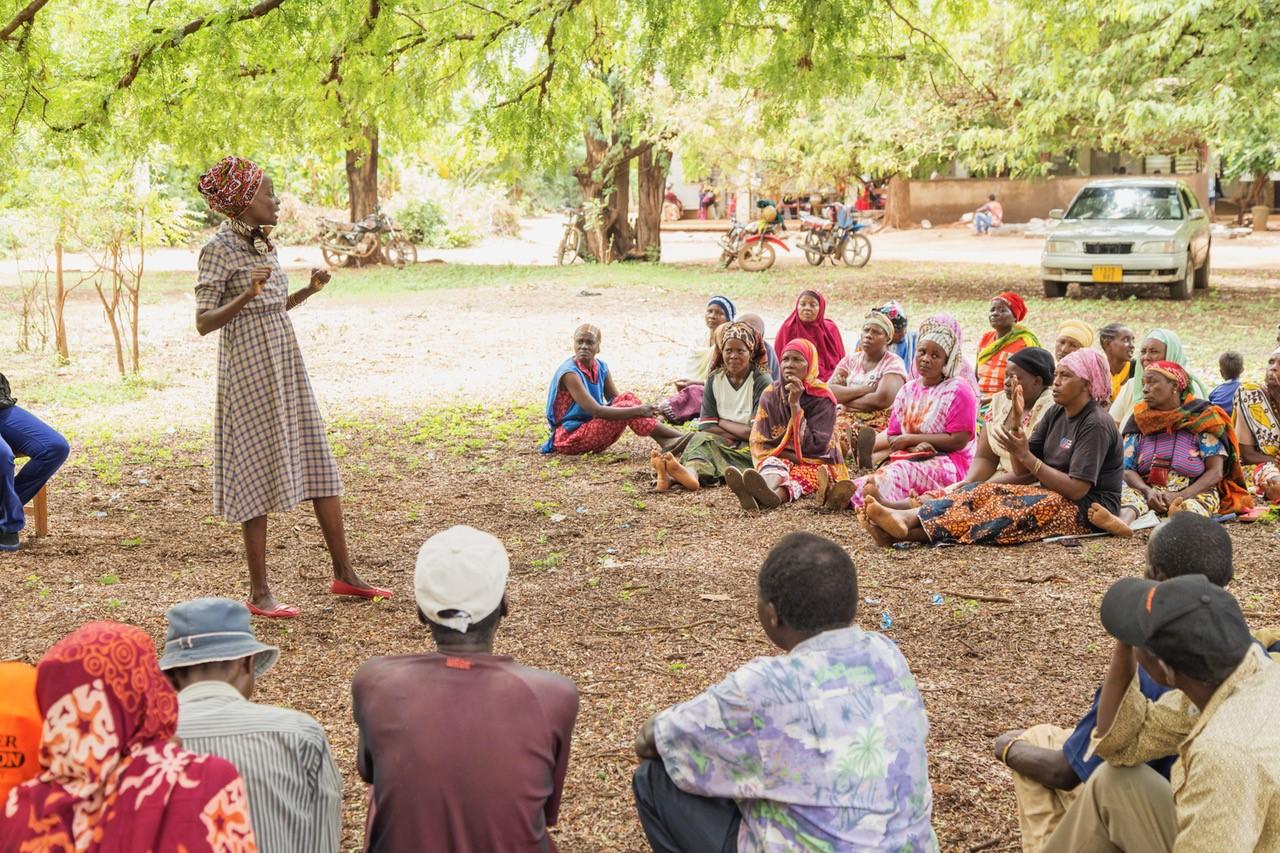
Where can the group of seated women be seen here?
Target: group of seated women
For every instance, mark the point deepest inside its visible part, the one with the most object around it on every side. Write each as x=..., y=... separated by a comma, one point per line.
x=1026, y=445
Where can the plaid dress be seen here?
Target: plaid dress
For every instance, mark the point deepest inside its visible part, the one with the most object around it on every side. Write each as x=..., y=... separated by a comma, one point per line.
x=270, y=452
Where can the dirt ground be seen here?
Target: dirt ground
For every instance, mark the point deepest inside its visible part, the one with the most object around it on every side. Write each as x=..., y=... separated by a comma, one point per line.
x=642, y=598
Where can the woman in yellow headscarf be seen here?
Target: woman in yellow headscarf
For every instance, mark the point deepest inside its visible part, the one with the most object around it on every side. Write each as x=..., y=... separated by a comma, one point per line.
x=1072, y=335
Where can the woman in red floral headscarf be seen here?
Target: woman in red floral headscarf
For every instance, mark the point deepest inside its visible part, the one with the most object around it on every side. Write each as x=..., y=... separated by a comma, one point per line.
x=270, y=452
x=112, y=779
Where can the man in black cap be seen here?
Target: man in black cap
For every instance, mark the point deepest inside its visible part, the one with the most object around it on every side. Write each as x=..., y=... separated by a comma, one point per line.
x=1225, y=794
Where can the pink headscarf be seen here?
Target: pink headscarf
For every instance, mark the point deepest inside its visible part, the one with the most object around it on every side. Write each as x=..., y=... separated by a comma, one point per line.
x=1091, y=366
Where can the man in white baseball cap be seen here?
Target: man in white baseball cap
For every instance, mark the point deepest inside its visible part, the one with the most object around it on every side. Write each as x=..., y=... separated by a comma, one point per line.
x=465, y=749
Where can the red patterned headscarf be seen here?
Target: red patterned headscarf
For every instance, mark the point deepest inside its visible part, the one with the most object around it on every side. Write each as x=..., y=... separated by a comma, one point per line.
x=230, y=186
x=1174, y=372
x=111, y=777
x=1015, y=303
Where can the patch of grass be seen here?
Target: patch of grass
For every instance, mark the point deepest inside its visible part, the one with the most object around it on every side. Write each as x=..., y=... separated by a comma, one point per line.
x=110, y=578
x=88, y=393
x=550, y=561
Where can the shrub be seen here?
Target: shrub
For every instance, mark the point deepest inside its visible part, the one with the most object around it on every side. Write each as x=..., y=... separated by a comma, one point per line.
x=424, y=221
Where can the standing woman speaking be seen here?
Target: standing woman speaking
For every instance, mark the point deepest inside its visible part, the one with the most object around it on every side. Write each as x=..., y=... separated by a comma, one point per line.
x=270, y=452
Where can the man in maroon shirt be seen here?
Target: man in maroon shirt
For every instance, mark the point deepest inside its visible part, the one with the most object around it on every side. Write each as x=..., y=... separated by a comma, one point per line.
x=466, y=750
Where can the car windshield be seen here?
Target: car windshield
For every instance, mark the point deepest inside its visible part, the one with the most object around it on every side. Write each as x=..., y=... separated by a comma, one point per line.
x=1126, y=203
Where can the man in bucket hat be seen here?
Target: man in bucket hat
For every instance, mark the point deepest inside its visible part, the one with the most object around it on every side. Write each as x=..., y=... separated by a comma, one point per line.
x=213, y=659
x=1224, y=789
x=465, y=749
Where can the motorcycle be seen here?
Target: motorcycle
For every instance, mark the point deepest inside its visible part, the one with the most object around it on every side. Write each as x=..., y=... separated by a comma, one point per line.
x=752, y=247
x=835, y=237
x=340, y=241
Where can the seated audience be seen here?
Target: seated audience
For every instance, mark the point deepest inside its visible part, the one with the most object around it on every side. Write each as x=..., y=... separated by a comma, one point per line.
x=1158, y=345
x=213, y=660
x=1048, y=763
x=1007, y=336
x=793, y=441
x=821, y=748
x=19, y=725
x=929, y=436
x=586, y=413
x=113, y=777
x=1257, y=424
x=687, y=402
x=23, y=434
x=465, y=749
x=756, y=322
x=1230, y=366
x=1180, y=454
x=1032, y=370
x=808, y=321
x=1117, y=342
x=1218, y=719
x=903, y=344
x=738, y=377
x=1072, y=335
x=1071, y=461
x=865, y=384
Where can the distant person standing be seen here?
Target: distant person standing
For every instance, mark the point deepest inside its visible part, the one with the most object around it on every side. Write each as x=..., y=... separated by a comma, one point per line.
x=270, y=452
x=990, y=215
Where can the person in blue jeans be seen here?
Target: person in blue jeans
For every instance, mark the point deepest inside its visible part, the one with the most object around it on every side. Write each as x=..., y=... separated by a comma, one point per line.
x=23, y=434
x=1050, y=764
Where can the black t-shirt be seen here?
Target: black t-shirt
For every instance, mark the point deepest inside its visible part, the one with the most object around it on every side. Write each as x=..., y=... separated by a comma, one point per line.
x=1086, y=447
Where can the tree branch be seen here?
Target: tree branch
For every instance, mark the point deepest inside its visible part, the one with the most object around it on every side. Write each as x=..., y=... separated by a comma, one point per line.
x=141, y=56
x=26, y=16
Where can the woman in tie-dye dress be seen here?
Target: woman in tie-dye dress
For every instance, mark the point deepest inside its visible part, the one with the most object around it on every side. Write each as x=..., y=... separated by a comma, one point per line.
x=930, y=436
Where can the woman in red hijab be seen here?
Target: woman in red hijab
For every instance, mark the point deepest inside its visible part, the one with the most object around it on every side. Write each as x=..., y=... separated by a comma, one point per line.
x=809, y=321
x=112, y=779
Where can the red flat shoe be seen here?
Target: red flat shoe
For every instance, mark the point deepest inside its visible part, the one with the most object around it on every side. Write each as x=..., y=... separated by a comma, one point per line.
x=343, y=588
x=280, y=611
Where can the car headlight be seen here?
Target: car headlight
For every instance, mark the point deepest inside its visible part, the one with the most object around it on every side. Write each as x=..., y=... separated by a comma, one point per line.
x=1155, y=247
x=1060, y=246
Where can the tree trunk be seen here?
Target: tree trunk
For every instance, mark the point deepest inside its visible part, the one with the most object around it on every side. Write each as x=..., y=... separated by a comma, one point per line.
x=59, y=310
x=651, y=177
x=624, y=236
x=897, y=212
x=362, y=188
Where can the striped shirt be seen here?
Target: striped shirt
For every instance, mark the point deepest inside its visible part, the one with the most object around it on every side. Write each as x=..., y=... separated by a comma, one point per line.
x=295, y=792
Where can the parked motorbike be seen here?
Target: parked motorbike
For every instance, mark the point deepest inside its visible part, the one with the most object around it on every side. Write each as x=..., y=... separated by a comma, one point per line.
x=751, y=246
x=340, y=241
x=835, y=237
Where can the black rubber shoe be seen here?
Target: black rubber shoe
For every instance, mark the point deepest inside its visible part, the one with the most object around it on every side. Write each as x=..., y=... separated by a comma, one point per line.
x=9, y=542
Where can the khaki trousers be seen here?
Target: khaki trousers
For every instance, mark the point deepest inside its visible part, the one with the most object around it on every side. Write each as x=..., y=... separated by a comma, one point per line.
x=1040, y=809
x=1121, y=810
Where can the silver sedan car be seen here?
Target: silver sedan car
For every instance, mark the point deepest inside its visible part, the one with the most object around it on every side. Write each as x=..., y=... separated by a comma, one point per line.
x=1149, y=231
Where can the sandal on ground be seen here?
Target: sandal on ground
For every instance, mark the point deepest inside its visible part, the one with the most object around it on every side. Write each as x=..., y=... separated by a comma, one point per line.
x=343, y=588
x=733, y=479
x=753, y=481
x=866, y=448
x=280, y=611
x=824, y=483
x=838, y=496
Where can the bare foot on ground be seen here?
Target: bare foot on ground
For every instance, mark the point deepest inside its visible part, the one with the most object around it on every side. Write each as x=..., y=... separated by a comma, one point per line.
x=1102, y=518
x=886, y=519
x=882, y=539
x=660, y=468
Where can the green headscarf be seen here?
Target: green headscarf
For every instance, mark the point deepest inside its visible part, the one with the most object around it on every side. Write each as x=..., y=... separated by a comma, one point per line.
x=1173, y=352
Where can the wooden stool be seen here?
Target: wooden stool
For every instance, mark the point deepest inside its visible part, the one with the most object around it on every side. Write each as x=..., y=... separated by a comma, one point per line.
x=40, y=507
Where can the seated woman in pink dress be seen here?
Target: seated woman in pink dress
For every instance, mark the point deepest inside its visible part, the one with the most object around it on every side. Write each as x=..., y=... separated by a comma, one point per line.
x=930, y=435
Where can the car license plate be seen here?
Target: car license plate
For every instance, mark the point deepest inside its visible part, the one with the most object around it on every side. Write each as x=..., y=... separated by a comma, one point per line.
x=1108, y=275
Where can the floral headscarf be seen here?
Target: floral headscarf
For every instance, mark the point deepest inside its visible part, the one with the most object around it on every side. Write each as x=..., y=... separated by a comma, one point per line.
x=230, y=186
x=112, y=778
